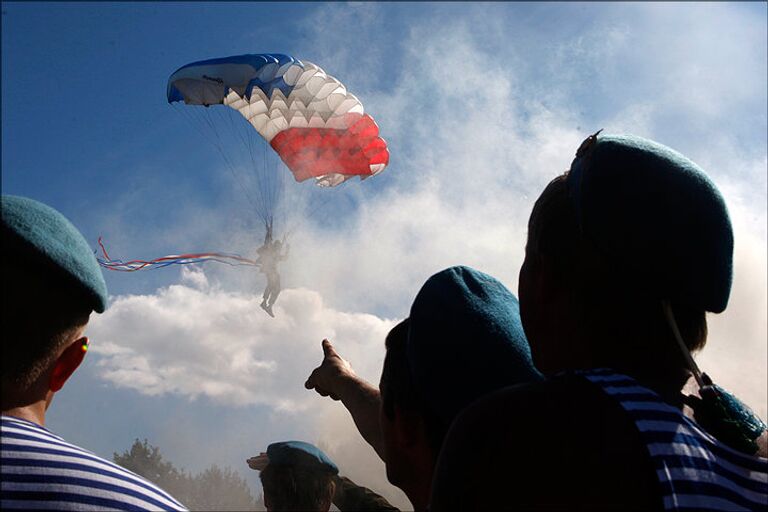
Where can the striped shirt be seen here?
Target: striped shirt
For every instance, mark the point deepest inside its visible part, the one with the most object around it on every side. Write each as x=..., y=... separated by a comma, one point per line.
x=695, y=470
x=41, y=471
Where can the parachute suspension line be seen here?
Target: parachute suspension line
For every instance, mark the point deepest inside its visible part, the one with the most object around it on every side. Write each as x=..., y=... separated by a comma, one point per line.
x=268, y=181
x=219, y=145
x=243, y=136
x=199, y=121
x=279, y=183
x=283, y=187
x=237, y=134
x=260, y=177
x=272, y=178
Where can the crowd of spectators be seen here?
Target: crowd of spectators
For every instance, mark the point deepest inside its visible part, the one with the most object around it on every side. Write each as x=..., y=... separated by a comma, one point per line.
x=582, y=394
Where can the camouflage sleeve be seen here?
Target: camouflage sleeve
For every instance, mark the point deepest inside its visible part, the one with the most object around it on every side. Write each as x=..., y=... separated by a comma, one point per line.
x=349, y=496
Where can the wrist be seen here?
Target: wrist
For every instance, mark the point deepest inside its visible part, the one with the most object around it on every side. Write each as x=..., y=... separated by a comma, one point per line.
x=352, y=387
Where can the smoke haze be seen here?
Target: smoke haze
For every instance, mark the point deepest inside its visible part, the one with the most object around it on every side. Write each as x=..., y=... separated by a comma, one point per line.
x=480, y=111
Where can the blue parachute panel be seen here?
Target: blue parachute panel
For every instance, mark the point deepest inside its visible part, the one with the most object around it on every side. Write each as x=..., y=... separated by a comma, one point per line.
x=207, y=82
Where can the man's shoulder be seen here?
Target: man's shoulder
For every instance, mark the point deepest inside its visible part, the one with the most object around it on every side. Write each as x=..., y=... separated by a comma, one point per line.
x=567, y=408
x=554, y=397
x=566, y=428
x=39, y=466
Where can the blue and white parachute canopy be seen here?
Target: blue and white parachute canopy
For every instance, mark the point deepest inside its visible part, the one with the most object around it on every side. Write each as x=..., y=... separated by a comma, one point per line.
x=318, y=128
x=207, y=82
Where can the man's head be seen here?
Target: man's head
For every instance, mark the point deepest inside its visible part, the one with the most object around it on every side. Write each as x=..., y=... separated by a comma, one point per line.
x=51, y=283
x=632, y=224
x=298, y=476
x=463, y=339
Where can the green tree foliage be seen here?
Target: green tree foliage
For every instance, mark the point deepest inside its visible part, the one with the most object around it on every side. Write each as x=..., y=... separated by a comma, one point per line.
x=213, y=489
x=145, y=460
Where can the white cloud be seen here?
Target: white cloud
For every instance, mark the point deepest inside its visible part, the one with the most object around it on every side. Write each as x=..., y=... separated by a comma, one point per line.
x=196, y=339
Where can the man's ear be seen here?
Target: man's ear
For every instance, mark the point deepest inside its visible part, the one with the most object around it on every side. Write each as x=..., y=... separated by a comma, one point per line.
x=67, y=363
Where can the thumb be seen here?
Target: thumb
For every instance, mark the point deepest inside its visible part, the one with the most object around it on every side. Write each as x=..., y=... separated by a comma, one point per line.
x=328, y=350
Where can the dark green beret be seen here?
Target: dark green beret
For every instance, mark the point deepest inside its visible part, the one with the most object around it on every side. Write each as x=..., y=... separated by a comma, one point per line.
x=300, y=454
x=465, y=340
x=657, y=215
x=33, y=231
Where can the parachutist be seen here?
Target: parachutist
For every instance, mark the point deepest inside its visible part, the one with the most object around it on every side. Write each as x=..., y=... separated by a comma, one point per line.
x=270, y=254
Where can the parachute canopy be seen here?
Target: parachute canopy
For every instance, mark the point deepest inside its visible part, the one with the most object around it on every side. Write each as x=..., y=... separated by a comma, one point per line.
x=319, y=129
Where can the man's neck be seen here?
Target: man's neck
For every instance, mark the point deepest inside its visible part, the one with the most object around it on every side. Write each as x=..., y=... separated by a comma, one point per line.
x=34, y=412
x=420, y=489
x=668, y=383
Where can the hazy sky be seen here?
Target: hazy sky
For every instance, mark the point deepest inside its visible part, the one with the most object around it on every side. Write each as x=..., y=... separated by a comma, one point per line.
x=481, y=106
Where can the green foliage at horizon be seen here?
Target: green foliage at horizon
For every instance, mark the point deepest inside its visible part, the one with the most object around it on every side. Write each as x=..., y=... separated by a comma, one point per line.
x=214, y=488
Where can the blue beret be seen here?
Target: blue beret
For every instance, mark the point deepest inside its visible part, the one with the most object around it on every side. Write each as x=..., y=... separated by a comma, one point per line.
x=465, y=339
x=656, y=215
x=34, y=230
x=300, y=454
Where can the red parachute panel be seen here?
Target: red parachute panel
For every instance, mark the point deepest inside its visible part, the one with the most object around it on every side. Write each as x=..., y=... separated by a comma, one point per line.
x=350, y=150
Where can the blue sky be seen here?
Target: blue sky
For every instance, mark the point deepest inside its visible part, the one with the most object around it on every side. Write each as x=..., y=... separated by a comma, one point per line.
x=481, y=105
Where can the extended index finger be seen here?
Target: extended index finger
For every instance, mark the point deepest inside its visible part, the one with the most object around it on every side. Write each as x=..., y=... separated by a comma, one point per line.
x=328, y=350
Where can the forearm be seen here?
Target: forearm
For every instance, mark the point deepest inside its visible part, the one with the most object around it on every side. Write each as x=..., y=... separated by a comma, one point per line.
x=363, y=401
x=350, y=496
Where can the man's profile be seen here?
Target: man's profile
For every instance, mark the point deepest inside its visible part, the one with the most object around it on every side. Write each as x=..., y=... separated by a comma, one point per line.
x=51, y=284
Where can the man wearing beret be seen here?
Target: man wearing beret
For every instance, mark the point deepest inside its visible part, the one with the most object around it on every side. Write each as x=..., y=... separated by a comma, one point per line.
x=463, y=339
x=626, y=253
x=299, y=476
x=51, y=283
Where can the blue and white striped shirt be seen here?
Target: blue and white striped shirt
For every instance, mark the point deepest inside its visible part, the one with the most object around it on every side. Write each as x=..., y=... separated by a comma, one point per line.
x=695, y=470
x=41, y=471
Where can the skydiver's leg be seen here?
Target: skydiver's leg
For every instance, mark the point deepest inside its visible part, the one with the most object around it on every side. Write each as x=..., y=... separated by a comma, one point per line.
x=266, y=294
x=265, y=299
x=275, y=289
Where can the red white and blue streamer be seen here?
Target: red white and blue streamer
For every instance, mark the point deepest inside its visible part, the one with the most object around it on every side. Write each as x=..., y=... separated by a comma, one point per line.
x=176, y=259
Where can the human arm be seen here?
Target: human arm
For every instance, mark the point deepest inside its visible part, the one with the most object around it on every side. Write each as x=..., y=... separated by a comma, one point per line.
x=336, y=378
x=350, y=496
x=259, y=462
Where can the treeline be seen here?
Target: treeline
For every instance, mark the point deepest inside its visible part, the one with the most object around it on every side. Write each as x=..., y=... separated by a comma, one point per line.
x=213, y=489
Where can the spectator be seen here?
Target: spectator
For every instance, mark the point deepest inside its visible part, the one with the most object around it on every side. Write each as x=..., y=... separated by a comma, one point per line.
x=51, y=283
x=462, y=340
x=626, y=253
x=299, y=476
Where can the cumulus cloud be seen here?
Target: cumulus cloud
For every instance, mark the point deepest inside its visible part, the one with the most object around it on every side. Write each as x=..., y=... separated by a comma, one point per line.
x=196, y=339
